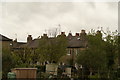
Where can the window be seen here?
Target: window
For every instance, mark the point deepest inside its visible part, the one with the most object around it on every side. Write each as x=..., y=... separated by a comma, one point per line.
x=69, y=52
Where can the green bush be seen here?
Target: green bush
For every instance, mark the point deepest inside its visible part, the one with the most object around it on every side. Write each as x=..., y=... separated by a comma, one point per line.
x=94, y=76
x=7, y=62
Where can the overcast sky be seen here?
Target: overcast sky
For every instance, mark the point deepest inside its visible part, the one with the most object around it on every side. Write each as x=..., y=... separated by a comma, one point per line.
x=36, y=18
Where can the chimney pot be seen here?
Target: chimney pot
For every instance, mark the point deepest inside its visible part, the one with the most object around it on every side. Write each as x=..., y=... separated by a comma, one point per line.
x=62, y=32
x=15, y=40
x=29, y=38
x=98, y=32
x=29, y=35
x=44, y=34
x=82, y=31
x=70, y=34
x=77, y=34
x=83, y=35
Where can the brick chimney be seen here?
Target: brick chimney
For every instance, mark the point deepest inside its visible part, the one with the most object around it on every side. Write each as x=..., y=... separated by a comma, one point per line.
x=83, y=31
x=77, y=34
x=98, y=33
x=70, y=34
x=15, y=40
x=63, y=33
x=29, y=38
x=44, y=36
x=83, y=35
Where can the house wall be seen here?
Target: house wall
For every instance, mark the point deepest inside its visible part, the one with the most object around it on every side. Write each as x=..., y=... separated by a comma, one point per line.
x=6, y=44
x=71, y=54
x=74, y=51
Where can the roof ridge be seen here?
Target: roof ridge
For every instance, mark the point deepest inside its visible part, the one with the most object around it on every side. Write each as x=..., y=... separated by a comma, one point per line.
x=4, y=38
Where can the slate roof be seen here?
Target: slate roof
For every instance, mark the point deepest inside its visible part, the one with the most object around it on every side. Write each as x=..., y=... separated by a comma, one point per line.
x=19, y=44
x=76, y=42
x=34, y=43
x=73, y=42
x=4, y=38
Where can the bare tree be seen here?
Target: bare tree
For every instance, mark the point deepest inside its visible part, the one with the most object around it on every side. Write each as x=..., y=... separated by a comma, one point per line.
x=53, y=32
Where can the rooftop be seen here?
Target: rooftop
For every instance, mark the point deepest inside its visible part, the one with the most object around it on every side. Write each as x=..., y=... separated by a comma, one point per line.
x=4, y=38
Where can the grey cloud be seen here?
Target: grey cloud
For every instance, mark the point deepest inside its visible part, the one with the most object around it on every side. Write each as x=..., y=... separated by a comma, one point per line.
x=35, y=17
x=26, y=10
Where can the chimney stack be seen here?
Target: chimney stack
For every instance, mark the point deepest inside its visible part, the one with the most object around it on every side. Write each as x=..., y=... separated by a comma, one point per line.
x=29, y=38
x=98, y=33
x=44, y=36
x=63, y=33
x=15, y=40
x=82, y=31
x=77, y=34
x=83, y=35
x=70, y=34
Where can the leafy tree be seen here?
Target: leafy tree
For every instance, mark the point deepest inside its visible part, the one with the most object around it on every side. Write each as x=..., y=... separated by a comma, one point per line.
x=94, y=57
x=23, y=57
x=110, y=47
x=7, y=62
x=118, y=56
x=52, y=49
x=100, y=54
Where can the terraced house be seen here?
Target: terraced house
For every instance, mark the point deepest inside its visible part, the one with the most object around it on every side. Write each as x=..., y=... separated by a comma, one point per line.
x=6, y=42
x=75, y=44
